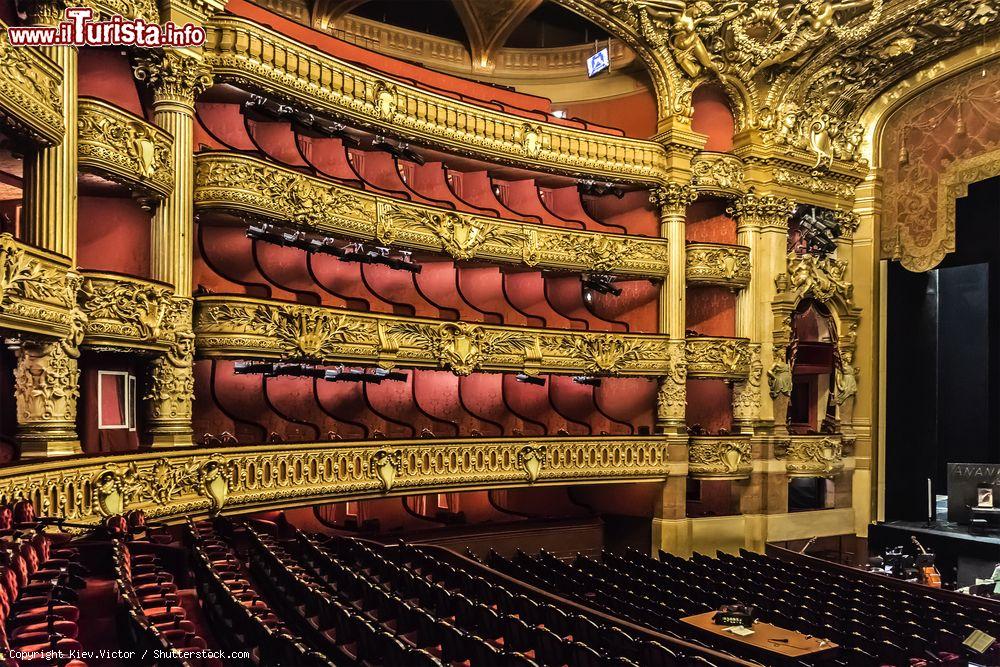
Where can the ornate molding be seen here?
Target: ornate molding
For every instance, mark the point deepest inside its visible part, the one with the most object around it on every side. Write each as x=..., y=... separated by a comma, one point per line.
x=762, y=211
x=718, y=264
x=715, y=357
x=255, y=188
x=37, y=290
x=171, y=382
x=175, y=77
x=250, y=55
x=673, y=198
x=819, y=277
x=719, y=457
x=124, y=312
x=125, y=148
x=813, y=455
x=30, y=98
x=171, y=484
x=243, y=327
x=717, y=173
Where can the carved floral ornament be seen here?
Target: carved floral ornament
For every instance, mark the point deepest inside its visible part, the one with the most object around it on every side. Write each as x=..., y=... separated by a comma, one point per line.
x=234, y=326
x=821, y=278
x=251, y=187
x=717, y=173
x=710, y=357
x=175, y=484
x=37, y=289
x=813, y=456
x=120, y=308
x=717, y=264
x=719, y=458
x=30, y=98
x=174, y=76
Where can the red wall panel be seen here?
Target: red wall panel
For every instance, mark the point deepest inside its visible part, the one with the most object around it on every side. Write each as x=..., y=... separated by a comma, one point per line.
x=113, y=235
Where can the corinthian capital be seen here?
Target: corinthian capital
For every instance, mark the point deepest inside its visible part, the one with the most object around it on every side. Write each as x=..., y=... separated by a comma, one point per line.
x=753, y=210
x=673, y=198
x=174, y=76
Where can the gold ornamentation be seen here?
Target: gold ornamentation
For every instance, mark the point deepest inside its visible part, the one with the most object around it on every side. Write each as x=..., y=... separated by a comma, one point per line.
x=251, y=187
x=715, y=457
x=815, y=181
x=242, y=327
x=779, y=379
x=673, y=198
x=746, y=395
x=174, y=76
x=125, y=148
x=846, y=385
x=37, y=290
x=710, y=357
x=531, y=459
x=46, y=383
x=251, y=55
x=717, y=173
x=30, y=98
x=819, y=277
x=717, y=264
x=384, y=466
x=173, y=484
x=172, y=374
x=671, y=395
x=814, y=456
x=123, y=310
x=762, y=211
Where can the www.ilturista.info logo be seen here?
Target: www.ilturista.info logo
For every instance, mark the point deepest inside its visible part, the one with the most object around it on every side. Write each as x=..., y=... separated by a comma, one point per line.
x=78, y=29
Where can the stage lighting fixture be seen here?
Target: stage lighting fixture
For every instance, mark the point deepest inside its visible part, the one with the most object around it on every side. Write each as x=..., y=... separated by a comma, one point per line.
x=399, y=150
x=597, y=189
x=530, y=379
x=601, y=282
x=586, y=379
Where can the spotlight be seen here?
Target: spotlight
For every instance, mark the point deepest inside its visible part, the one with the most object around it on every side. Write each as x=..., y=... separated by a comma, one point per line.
x=530, y=379
x=601, y=282
x=586, y=379
x=597, y=189
x=397, y=149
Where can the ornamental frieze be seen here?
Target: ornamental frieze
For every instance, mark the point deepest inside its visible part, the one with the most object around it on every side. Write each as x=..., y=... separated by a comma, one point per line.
x=254, y=188
x=171, y=484
x=124, y=311
x=821, y=278
x=714, y=357
x=37, y=292
x=123, y=147
x=30, y=100
x=719, y=457
x=244, y=327
x=717, y=173
x=813, y=455
x=256, y=57
x=718, y=264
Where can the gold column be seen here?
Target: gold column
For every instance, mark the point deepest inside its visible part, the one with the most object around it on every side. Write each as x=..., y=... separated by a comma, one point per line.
x=176, y=78
x=46, y=378
x=673, y=201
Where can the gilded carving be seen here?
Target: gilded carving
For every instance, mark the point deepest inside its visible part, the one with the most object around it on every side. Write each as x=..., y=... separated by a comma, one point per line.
x=761, y=211
x=124, y=147
x=117, y=486
x=46, y=383
x=384, y=466
x=242, y=327
x=718, y=173
x=122, y=308
x=846, y=384
x=746, y=395
x=718, y=357
x=671, y=395
x=717, y=264
x=254, y=188
x=174, y=76
x=254, y=56
x=30, y=98
x=171, y=389
x=673, y=198
x=531, y=459
x=819, y=277
x=814, y=456
x=713, y=457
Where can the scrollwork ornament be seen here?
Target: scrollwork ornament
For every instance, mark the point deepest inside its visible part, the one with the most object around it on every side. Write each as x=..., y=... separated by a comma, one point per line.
x=174, y=76
x=531, y=459
x=714, y=457
x=673, y=198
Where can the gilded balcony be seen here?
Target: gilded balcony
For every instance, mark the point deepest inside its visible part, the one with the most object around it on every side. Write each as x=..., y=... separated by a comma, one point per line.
x=172, y=484
x=718, y=264
x=250, y=55
x=124, y=312
x=813, y=455
x=30, y=100
x=717, y=173
x=254, y=188
x=37, y=290
x=717, y=357
x=124, y=148
x=241, y=327
x=719, y=457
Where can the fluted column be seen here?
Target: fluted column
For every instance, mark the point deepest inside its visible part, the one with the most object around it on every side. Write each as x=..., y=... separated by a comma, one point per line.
x=673, y=201
x=50, y=187
x=176, y=79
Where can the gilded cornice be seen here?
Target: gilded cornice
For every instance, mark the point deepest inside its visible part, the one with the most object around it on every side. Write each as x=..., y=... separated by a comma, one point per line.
x=37, y=290
x=247, y=54
x=718, y=264
x=762, y=211
x=233, y=326
x=125, y=148
x=812, y=455
x=124, y=312
x=255, y=188
x=719, y=457
x=30, y=101
x=716, y=357
x=717, y=173
x=171, y=484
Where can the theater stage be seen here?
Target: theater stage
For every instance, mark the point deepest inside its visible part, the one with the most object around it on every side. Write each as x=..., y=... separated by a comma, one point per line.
x=961, y=556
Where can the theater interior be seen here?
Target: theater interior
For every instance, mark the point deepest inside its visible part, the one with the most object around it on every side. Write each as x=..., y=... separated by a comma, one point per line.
x=584, y=333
